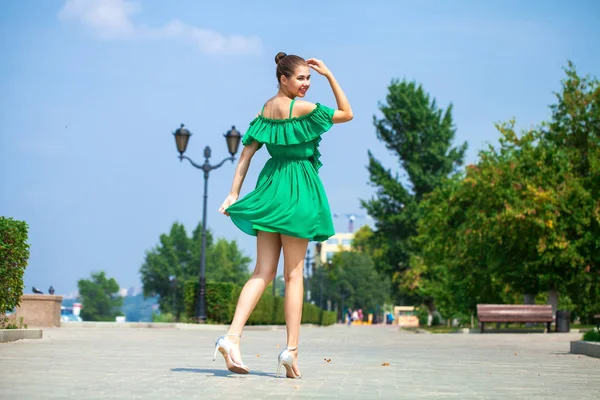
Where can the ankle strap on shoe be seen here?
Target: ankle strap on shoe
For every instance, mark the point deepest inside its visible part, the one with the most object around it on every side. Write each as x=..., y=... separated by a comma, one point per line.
x=291, y=348
x=234, y=334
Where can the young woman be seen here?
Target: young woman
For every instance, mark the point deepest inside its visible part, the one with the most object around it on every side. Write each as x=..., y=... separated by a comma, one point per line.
x=289, y=207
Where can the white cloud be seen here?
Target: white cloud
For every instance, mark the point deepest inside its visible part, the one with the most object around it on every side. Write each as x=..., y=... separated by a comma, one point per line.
x=106, y=18
x=113, y=19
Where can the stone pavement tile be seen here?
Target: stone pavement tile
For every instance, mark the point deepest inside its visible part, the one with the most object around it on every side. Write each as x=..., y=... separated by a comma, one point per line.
x=102, y=363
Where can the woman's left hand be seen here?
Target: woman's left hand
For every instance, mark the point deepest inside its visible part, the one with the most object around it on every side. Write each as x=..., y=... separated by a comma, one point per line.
x=319, y=66
x=229, y=200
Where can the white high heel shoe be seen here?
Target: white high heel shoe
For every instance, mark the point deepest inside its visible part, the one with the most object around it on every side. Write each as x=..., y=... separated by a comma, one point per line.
x=224, y=346
x=287, y=360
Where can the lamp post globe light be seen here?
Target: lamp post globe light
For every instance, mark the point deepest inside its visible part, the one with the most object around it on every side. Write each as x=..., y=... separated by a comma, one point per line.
x=182, y=136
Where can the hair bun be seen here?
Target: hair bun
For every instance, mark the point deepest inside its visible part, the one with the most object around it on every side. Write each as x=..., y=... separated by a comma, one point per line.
x=279, y=56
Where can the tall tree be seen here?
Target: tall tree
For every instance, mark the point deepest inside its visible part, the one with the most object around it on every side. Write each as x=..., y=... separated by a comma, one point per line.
x=226, y=263
x=353, y=281
x=575, y=128
x=99, y=297
x=420, y=134
x=522, y=220
x=176, y=259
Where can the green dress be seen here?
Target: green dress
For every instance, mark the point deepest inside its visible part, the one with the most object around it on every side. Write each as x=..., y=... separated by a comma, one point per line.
x=289, y=197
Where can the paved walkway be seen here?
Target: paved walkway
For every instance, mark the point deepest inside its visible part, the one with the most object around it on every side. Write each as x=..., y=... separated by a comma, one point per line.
x=128, y=363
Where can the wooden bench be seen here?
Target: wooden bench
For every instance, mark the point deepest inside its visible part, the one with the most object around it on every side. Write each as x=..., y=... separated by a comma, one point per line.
x=514, y=313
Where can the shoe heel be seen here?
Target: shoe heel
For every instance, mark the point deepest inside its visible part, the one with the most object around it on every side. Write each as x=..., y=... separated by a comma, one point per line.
x=280, y=363
x=216, y=351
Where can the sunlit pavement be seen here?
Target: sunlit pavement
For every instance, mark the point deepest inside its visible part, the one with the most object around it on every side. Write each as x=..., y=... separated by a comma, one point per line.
x=359, y=362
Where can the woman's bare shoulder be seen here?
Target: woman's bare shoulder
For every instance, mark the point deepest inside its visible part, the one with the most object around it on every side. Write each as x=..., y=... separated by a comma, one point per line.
x=302, y=107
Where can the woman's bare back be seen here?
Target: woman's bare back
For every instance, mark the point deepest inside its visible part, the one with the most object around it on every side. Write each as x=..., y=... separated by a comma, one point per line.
x=278, y=107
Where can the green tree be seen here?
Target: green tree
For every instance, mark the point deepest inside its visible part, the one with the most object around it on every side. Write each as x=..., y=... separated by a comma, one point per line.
x=176, y=259
x=14, y=255
x=575, y=128
x=517, y=222
x=100, y=298
x=226, y=263
x=420, y=134
x=352, y=281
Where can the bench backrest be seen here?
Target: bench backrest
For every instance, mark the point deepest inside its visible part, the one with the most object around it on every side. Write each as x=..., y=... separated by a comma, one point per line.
x=514, y=313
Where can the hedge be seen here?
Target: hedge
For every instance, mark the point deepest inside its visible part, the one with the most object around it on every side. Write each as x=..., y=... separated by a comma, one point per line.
x=14, y=255
x=221, y=299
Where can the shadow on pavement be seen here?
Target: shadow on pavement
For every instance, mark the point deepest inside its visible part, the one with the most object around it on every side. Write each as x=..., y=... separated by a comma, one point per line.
x=220, y=372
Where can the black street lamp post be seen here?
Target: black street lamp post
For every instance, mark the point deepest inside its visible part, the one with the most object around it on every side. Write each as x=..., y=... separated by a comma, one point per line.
x=182, y=136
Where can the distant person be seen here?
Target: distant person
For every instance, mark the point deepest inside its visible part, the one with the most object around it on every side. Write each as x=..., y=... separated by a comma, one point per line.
x=390, y=318
x=349, y=316
x=288, y=207
x=360, y=314
x=354, y=315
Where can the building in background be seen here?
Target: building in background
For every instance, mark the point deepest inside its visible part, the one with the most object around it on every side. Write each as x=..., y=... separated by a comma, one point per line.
x=338, y=242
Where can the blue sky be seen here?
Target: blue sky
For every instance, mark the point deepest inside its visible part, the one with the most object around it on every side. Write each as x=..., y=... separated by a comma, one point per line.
x=92, y=89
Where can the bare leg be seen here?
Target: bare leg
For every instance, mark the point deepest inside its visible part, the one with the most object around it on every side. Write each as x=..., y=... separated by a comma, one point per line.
x=294, y=251
x=267, y=256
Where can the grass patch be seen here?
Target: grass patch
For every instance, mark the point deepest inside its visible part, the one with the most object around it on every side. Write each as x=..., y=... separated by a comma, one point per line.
x=440, y=329
x=582, y=326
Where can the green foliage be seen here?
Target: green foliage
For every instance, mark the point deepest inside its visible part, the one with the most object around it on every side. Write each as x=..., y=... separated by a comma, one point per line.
x=100, y=298
x=222, y=298
x=12, y=325
x=166, y=317
x=524, y=219
x=278, y=311
x=263, y=312
x=226, y=263
x=279, y=286
x=176, y=260
x=14, y=255
x=328, y=318
x=592, y=336
x=311, y=314
x=190, y=297
x=353, y=280
x=420, y=134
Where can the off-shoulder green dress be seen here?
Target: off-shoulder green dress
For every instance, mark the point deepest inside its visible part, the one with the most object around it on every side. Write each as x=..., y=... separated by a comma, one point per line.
x=289, y=197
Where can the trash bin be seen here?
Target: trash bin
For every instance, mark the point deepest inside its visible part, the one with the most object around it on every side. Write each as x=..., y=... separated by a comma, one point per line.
x=563, y=321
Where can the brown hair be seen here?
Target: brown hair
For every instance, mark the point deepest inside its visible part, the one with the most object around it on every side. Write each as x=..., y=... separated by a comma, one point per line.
x=286, y=65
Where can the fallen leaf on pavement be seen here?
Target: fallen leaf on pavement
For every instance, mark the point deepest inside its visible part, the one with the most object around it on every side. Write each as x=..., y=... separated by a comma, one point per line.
x=385, y=364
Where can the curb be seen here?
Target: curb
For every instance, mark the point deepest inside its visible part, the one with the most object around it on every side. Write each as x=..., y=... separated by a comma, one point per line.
x=168, y=325
x=591, y=349
x=11, y=335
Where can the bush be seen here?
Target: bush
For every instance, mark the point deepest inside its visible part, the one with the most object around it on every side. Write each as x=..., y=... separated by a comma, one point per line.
x=166, y=317
x=592, y=336
x=423, y=315
x=15, y=255
x=278, y=311
x=328, y=317
x=221, y=299
x=311, y=314
x=263, y=312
